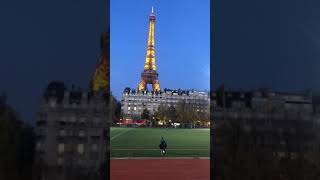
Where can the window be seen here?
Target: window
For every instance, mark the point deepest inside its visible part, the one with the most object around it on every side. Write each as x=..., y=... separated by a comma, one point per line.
x=81, y=133
x=63, y=120
x=97, y=119
x=70, y=132
x=39, y=144
x=94, y=155
x=128, y=108
x=135, y=108
x=53, y=104
x=80, y=149
x=94, y=147
x=42, y=116
x=72, y=119
x=69, y=148
x=60, y=161
x=62, y=133
x=95, y=139
x=82, y=119
x=42, y=132
x=60, y=148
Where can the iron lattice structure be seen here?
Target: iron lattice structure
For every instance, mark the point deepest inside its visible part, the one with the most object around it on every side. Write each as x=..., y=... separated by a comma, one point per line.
x=101, y=77
x=149, y=74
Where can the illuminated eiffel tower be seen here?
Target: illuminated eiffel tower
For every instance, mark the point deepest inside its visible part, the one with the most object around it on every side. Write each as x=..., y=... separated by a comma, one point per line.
x=149, y=74
x=101, y=77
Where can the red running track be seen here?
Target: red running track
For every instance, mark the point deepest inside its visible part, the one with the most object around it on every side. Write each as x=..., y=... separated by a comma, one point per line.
x=160, y=169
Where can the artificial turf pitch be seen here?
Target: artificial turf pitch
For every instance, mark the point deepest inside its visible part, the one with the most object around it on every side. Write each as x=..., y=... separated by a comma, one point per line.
x=144, y=142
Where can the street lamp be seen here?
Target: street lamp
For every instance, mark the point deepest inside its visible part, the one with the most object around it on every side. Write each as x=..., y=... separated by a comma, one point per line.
x=153, y=121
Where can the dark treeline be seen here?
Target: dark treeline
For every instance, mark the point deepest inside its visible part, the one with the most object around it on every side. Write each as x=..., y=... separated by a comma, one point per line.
x=17, y=143
x=115, y=107
x=248, y=152
x=18, y=160
x=183, y=112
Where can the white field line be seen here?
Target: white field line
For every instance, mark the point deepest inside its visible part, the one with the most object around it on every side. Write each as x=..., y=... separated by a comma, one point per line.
x=119, y=134
x=159, y=149
x=160, y=158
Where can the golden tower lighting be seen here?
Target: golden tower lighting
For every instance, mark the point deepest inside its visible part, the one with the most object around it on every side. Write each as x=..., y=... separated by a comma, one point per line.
x=149, y=74
x=101, y=77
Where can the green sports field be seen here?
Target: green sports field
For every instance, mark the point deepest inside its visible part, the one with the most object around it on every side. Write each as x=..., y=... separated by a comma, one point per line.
x=144, y=142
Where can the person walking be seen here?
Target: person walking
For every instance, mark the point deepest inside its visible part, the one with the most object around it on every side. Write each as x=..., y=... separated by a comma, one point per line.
x=163, y=146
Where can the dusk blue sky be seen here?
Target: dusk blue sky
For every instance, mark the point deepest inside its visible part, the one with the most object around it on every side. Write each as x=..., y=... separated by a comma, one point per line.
x=271, y=43
x=42, y=41
x=182, y=43
x=255, y=43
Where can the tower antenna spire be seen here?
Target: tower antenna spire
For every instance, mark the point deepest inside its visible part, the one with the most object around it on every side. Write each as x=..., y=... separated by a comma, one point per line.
x=149, y=74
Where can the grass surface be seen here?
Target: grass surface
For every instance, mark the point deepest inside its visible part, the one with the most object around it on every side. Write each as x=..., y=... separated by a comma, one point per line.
x=144, y=142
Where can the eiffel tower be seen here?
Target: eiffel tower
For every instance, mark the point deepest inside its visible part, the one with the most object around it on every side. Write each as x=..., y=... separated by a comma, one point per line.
x=149, y=74
x=101, y=77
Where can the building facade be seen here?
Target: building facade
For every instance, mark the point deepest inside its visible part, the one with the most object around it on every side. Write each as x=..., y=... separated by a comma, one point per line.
x=72, y=129
x=73, y=126
x=283, y=122
x=262, y=104
x=134, y=102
